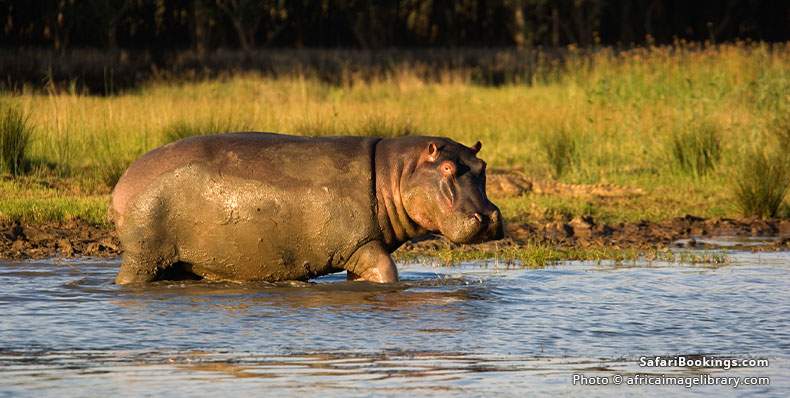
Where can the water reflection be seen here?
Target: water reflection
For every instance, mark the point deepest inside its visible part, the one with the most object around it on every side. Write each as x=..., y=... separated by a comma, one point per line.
x=337, y=295
x=474, y=329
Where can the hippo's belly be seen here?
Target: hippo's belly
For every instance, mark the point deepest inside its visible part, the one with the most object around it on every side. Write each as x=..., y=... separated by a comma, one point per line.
x=236, y=228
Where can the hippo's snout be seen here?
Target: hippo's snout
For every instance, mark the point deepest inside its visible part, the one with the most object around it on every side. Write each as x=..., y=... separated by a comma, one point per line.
x=496, y=225
x=476, y=227
x=491, y=225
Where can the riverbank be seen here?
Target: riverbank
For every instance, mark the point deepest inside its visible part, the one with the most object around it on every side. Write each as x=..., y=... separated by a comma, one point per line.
x=580, y=238
x=604, y=156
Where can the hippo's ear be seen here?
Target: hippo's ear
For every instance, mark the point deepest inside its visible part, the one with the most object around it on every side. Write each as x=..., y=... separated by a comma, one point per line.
x=432, y=152
x=476, y=147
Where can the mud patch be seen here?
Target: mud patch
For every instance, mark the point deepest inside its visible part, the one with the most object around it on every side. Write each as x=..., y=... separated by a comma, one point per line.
x=78, y=238
x=70, y=239
x=688, y=231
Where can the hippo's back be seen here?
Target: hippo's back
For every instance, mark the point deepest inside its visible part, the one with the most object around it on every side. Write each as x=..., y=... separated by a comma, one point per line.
x=253, y=205
x=277, y=158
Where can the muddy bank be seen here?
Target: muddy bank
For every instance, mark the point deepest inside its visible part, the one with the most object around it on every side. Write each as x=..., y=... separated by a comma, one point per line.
x=77, y=238
x=584, y=232
x=71, y=239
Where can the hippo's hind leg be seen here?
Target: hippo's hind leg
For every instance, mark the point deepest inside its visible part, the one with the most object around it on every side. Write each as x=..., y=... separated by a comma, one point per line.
x=371, y=262
x=135, y=270
x=147, y=250
x=142, y=263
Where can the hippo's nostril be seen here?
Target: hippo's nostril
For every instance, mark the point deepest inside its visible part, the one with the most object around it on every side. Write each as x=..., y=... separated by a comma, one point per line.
x=494, y=217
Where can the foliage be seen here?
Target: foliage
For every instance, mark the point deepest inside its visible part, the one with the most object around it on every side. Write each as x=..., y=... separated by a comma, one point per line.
x=164, y=25
x=696, y=149
x=183, y=129
x=762, y=178
x=761, y=184
x=15, y=136
x=561, y=150
x=538, y=254
x=616, y=108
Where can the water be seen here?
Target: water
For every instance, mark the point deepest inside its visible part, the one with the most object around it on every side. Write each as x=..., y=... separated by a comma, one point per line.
x=471, y=330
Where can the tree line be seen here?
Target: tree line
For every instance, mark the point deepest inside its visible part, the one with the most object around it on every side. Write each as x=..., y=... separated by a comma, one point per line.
x=203, y=25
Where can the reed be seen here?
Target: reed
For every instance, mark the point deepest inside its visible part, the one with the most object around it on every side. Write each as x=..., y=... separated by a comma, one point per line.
x=16, y=134
x=657, y=119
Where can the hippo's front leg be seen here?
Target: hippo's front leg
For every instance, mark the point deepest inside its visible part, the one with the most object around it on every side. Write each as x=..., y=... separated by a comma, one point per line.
x=371, y=262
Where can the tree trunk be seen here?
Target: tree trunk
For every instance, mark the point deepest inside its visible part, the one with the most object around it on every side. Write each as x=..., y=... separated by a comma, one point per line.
x=519, y=26
x=555, y=27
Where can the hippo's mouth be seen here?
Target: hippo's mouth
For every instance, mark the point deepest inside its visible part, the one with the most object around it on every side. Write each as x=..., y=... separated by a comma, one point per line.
x=462, y=230
x=474, y=229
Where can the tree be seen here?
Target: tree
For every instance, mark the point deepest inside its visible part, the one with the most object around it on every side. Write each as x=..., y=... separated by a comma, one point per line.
x=59, y=21
x=246, y=17
x=109, y=14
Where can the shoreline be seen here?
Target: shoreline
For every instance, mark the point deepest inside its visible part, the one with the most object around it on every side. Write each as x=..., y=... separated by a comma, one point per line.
x=78, y=238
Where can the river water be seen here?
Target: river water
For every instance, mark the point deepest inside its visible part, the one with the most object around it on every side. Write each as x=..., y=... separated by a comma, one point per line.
x=472, y=330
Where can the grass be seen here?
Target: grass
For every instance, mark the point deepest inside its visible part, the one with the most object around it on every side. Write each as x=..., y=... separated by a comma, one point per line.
x=561, y=150
x=382, y=127
x=762, y=184
x=762, y=178
x=15, y=136
x=673, y=122
x=39, y=200
x=541, y=255
x=696, y=149
x=181, y=129
x=378, y=126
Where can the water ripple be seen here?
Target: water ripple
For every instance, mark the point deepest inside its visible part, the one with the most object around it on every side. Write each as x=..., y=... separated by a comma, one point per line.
x=442, y=331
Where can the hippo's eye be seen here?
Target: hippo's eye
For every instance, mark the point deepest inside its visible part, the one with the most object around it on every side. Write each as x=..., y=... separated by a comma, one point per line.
x=447, y=168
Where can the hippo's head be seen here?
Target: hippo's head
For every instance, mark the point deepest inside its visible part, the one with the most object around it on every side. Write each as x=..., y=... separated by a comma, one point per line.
x=446, y=193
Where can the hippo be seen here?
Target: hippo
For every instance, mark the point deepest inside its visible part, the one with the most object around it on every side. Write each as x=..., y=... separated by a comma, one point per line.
x=273, y=207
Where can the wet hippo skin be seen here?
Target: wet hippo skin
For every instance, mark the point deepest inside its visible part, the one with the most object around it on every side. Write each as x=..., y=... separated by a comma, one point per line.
x=273, y=207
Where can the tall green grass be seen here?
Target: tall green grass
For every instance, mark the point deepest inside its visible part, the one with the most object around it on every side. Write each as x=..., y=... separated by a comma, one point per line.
x=762, y=179
x=603, y=117
x=183, y=129
x=16, y=134
x=110, y=162
x=369, y=126
x=696, y=148
x=761, y=184
x=562, y=151
x=780, y=130
x=378, y=126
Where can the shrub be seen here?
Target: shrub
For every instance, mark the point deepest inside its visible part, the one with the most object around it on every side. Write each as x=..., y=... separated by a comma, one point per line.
x=183, y=129
x=111, y=169
x=561, y=149
x=761, y=183
x=372, y=126
x=384, y=127
x=318, y=127
x=780, y=132
x=697, y=149
x=110, y=158
x=15, y=136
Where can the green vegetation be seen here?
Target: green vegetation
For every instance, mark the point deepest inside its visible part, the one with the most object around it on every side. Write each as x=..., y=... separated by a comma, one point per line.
x=761, y=184
x=382, y=127
x=541, y=255
x=696, y=149
x=673, y=123
x=40, y=200
x=183, y=129
x=15, y=135
x=368, y=126
x=561, y=151
x=762, y=178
